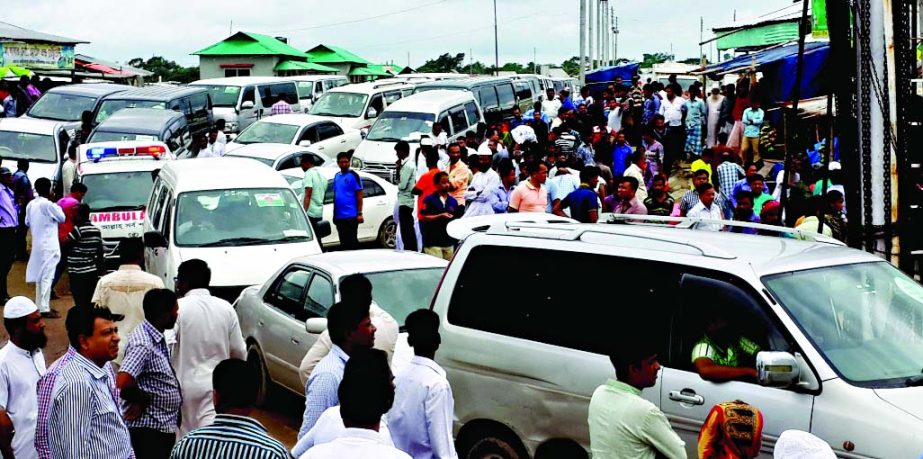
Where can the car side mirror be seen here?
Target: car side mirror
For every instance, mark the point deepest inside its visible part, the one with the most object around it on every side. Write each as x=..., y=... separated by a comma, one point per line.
x=364, y=132
x=322, y=228
x=154, y=239
x=777, y=369
x=246, y=105
x=304, y=143
x=315, y=325
x=372, y=113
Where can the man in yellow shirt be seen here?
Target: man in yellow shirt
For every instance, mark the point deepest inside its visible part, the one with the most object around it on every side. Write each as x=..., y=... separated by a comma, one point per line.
x=704, y=163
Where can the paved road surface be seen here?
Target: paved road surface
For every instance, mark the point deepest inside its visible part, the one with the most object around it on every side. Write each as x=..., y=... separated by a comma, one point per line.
x=282, y=414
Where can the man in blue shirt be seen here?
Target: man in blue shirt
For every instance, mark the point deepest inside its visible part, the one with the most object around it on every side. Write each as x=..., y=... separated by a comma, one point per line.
x=347, y=203
x=620, y=154
x=9, y=220
x=22, y=191
x=582, y=202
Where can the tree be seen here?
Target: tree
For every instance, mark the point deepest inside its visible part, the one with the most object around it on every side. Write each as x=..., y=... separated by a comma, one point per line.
x=656, y=58
x=443, y=64
x=165, y=69
x=572, y=66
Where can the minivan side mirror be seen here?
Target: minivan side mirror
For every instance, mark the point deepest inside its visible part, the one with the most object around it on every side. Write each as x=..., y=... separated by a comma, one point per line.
x=315, y=325
x=777, y=369
x=364, y=132
x=322, y=229
x=372, y=113
x=247, y=105
x=154, y=239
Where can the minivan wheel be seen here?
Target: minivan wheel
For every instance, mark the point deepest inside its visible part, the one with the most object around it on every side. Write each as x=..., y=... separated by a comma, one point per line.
x=497, y=446
x=387, y=234
x=256, y=361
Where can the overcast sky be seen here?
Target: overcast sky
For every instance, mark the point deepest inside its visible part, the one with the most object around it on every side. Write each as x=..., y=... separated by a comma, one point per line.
x=120, y=30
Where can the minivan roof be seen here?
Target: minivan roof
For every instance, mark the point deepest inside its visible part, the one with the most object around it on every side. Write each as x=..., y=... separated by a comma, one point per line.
x=139, y=120
x=372, y=87
x=201, y=174
x=464, y=83
x=240, y=81
x=89, y=89
x=431, y=101
x=157, y=93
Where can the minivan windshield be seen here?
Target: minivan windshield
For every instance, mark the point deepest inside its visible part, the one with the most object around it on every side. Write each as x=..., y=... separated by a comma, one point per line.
x=239, y=217
x=117, y=191
x=865, y=318
x=343, y=104
x=25, y=145
x=108, y=107
x=267, y=132
x=61, y=107
x=222, y=95
x=395, y=126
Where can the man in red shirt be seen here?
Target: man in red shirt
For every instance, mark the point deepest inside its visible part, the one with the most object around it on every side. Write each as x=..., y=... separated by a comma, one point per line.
x=425, y=185
x=67, y=204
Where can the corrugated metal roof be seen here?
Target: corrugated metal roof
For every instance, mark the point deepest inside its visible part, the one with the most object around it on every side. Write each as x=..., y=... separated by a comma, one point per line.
x=299, y=65
x=14, y=32
x=250, y=44
x=328, y=54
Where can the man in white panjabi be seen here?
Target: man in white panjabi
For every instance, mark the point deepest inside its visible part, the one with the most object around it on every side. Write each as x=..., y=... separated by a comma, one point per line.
x=714, y=102
x=43, y=217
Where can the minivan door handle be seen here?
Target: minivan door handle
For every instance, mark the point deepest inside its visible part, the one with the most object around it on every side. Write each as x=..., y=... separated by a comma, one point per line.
x=687, y=396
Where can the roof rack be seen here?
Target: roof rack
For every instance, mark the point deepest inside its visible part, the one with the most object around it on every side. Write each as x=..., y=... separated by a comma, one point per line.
x=388, y=83
x=575, y=232
x=693, y=223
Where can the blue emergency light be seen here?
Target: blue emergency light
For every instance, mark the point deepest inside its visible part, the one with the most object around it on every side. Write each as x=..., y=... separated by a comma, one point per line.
x=98, y=153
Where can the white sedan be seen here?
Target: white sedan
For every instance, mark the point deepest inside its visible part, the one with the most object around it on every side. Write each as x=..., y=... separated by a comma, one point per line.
x=320, y=134
x=279, y=156
x=283, y=318
x=379, y=199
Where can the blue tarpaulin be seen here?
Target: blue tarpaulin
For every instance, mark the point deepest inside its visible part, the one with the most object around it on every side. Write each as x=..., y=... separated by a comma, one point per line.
x=599, y=79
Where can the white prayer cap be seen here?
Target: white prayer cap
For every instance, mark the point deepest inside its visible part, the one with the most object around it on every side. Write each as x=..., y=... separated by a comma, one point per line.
x=18, y=306
x=795, y=444
x=834, y=166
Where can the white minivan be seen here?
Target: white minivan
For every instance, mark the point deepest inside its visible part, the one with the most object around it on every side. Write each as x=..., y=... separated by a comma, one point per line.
x=356, y=106
x=841, y=334
x=237, y=214
x=410, y=118
x=311, y=87
x=240, y=101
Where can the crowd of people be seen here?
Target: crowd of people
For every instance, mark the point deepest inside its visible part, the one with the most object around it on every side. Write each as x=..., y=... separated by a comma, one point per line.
x=16, y=98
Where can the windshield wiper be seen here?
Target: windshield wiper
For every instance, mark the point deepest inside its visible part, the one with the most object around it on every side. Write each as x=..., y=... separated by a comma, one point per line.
x=914, y=381
x=384, y=139
x=235, y=241
x=117, y=208
x=289, y=239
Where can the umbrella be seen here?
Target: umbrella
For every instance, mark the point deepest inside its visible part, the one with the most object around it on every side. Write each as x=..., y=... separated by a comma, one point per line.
x=14, y=71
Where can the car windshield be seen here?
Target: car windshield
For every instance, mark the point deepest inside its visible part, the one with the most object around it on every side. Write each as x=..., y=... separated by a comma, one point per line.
x=61, y=107
x=24, y=145
x=402, y=292
x=865, y=318
x=267, y=132
x=99, y=136
x=108, y=107
x=395, y=126
x=254, y=216
x=117, y=191
x=344, y=104
x=222, y=95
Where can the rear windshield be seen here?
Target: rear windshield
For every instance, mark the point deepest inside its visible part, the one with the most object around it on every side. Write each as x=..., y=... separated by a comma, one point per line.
x=108, y=107
x=222, y=95
x=98, y=136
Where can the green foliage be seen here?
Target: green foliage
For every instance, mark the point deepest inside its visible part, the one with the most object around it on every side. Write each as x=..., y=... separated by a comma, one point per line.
x=443, y=64
x=166, y=70
x=572, y=66
x=656, y=58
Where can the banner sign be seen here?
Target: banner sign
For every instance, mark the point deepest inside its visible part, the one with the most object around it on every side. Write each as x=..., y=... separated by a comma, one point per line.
x=37, y=56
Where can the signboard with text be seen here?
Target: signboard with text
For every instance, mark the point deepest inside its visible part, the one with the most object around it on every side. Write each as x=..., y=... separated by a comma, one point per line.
x=35, y=56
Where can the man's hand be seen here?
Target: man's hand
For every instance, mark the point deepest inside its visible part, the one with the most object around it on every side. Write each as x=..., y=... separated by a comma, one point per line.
x=360, y=219
x=133, y=411
x=446, y=215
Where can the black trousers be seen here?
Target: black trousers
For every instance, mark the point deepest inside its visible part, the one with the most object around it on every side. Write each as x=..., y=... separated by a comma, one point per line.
x=348, y=230
x=82, y=287
x=151, y=444
x=314, y=221
x=7, y=256
x=408, y=234
x=21, y=253
x=673, y=146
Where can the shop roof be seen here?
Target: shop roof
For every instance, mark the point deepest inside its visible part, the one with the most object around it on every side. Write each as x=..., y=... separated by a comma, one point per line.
x=299, y=65
x=250, y=44
x=328, y=54
x=14, y=32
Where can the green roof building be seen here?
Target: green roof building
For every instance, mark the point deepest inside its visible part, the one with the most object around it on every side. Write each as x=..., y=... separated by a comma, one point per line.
x=347, y=63
x=253, y=54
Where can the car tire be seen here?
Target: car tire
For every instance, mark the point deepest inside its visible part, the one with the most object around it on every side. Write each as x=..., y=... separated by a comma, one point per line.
x=387, y=234
x=257, y=362
x=497, y=446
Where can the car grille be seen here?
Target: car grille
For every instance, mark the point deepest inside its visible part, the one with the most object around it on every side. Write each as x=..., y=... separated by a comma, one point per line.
x=384, y=170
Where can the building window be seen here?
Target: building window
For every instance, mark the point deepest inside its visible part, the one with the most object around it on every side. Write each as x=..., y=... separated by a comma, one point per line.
x=236, y=72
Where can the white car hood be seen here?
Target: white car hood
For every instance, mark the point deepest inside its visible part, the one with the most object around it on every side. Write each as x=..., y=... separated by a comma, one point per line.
x=248, y=265
x=377, y=152
x=119, y=224
x=909, y=399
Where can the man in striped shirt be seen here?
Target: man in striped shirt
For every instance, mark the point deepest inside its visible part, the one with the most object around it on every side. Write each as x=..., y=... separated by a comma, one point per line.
x=84, y=419
x=84, y=248
x=234, y=434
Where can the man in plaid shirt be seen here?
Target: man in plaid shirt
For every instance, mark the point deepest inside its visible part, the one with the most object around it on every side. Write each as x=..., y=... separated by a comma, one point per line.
x=281, y=107
x=147, y=381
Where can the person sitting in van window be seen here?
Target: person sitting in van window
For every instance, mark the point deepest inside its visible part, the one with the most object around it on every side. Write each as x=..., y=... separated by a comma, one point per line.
x=440, y=138
x=281, y=107
x=438, y=210
x=722, y=354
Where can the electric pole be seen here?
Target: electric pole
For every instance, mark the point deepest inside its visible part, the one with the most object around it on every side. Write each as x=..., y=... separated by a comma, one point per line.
x=591, y=34
x=605, y=33
x=496, y=43
x=615, y=41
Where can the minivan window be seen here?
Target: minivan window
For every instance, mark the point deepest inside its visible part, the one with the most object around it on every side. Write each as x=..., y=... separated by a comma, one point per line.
x=267, y=132
x=378, y=104
x=474, y=115
x=108, y=107
x=342, y=104
x=506, y=95
x=305, y=90
x=222, y=95
x=61, y=107
x=569, y=317
x=487, y=96
x=865, y=318
x=199, y=102
x=117, y=191
x=239, y=217
x=24, y=145
x=459, y=122
x=286, y=90
x=393, y=126
x=523, y=90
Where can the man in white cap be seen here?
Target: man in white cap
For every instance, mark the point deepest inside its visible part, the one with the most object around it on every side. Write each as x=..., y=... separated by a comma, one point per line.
x=43, y=217
x=483, y=184
x=21, y=365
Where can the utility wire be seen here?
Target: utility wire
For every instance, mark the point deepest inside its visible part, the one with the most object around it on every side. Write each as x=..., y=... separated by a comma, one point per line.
x=415, y=40
x=356, y=21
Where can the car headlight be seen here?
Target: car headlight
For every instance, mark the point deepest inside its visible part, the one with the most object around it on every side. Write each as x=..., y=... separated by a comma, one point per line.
x=356, y=163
